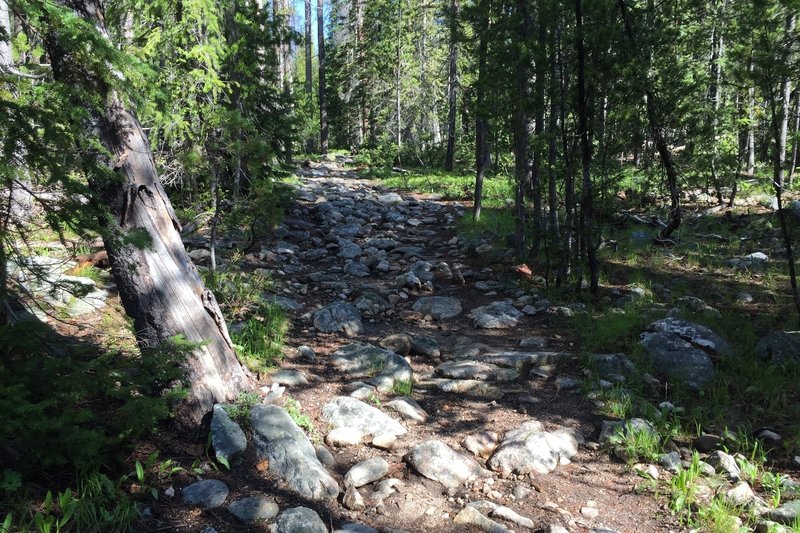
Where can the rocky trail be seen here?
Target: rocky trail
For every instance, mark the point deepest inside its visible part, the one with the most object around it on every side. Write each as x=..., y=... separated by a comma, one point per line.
x=444, y=395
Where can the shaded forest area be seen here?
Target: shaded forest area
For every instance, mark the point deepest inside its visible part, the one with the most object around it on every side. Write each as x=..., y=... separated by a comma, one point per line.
x=598, y=146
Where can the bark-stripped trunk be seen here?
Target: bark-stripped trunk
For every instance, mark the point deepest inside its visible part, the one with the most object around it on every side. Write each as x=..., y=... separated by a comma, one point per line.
x=481, y=120
x=751, y=127
x=323, y=105
x=158, y=284
x=452, y=81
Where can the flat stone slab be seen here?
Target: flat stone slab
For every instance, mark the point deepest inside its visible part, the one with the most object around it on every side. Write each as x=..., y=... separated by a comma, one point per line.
x=497, y=315
x=383, y=367
x=344, y=411
x=438, y=306
x=208, y=494
x=339, y=317
x=471, y=387
x=300, y=520
x=465, y=369
x=408, y=409
x=530, y=448
x=437, y=461
x=290, y=454
x=253, y=509
x=227, y=438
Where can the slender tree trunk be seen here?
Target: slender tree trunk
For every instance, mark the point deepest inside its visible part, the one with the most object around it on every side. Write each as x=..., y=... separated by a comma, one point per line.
x=793, y=164
x=781, y=128
x=309, y=79
x=659, y=138
x=552, y=153
x=398, y=66
x=538, y=131
x=6, y=58
x=565, y=264
x=481, y=120
x=158, y=284
x=520, y=125
x=278, y=23
x=717, y=49
x=751, y=127
x=587, y=206
x=452, y=82
x=323, y=105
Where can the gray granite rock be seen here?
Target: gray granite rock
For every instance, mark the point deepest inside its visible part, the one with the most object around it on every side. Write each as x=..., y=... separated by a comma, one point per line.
x=469, y=516
x=680, y=350
x=300, y=520
x=438, y=306
x=227, y=438
x=383, y=367
x=253, y=509
x=497, y=315
x=344, y=411
x=290, y=454
x=339, y=317
x=372, y=303
x=425, y=346
x=531, y=449
x=614, y=431
x=437, y=461
x=408, y=409
x=208, y=494
x=780, y=347
x=366, y=472
x=289, y=377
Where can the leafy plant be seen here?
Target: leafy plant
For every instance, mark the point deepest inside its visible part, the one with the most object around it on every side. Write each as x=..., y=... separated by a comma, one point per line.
x=260, y=342
x=300, y=418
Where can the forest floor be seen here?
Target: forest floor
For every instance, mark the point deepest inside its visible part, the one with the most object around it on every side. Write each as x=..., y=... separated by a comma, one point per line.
x=484, y=373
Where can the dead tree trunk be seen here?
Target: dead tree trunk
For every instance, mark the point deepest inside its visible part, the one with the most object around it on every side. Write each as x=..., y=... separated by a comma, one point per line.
x=158, y=284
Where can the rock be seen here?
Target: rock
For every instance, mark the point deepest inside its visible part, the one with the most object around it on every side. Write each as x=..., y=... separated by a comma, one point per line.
x=408, y=280
x=671, y=461
x=355, y=528
x=306, y=352
x=498, y=315
x=471, y=387
x=390, y=198
x=706, y=443
x=349, y=250
x=437, y=461
x=740, y=494
x=567, y=383
x=648, y=471
x=339, y=316
x=366, y=472
x=344, y=411
x=399, y=343
x=481, y=444
x=254, y=508
x=556, y=528
x=286, y=304
x=614, y=431
x=385, y=368
x=590, y=512
x=324, y=456
x=532, y=343
x=289, y=377
x=680, y=350
x=227, y=438
x=344, y=436
x=408, y=409
x=300, y=520
x=290, y=454
x=465, y=369
x=207, y=494
x=472, y=517
x=357, y=270
x=372, y=303
x=725, y=462
x=780, y=347
x=386, y=441
x=615, y=364
x=440, y=307
x=788, y=513
x=531, y=449
x=425, y=346
x=353, y=499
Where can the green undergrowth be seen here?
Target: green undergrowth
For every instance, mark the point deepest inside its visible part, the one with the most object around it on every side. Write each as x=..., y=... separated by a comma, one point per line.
x=497, y=190
x=71, y=414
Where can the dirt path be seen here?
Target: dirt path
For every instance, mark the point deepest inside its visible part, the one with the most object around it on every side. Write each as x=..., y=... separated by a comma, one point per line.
x=347, y=240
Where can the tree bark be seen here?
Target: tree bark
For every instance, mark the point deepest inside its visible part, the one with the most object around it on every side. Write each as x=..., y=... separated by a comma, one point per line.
x=538, y=130
x=323, y=105
x=793, y=163
x=481, y=120
x=452, y=81
x=587, y=206
x=158, y=284
x=309, y=78
x=520, y=125
x=780, y=128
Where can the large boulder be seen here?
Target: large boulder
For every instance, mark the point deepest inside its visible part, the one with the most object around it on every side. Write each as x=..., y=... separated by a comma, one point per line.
x=781, y=347
x=344, y=411
x=290, y=454
x=339, y=317
x=437, y=461
x=682, y=350
x=438, y=306
x=530, y=448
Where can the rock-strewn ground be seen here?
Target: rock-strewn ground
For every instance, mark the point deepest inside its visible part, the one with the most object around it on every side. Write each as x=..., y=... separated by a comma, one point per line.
x=493, y=435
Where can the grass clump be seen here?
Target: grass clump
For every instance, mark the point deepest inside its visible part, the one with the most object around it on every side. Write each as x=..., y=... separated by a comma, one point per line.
x=300, y=418
x=259, y=344
x=403, y=387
